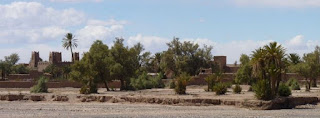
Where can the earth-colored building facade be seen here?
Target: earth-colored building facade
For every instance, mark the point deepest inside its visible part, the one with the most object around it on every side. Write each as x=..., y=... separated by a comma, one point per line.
x=37, y=65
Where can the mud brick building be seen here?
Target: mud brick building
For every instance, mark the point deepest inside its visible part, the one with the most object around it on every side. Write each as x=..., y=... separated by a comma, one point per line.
x=37, y=65
x=229, y=72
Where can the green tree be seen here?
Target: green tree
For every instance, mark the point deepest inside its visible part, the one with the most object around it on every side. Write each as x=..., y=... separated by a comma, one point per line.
x=101, y=62
x=243, y=74
x=269, y=64
x=19, y=69
x=69, y=42
x=275, y=54
x=12, y=59
x=82, y=72
x=54, y=70
x=155, y=63
x=294, y=58
x=93, y=68
x=308, y=69
x=185, y=57
x=6, y=66
x=317, y=63
x=126, y=62
x=66, y=71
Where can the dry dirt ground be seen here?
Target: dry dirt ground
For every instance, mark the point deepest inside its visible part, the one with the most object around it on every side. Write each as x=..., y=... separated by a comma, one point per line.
x=76, y=109
x=99, y=110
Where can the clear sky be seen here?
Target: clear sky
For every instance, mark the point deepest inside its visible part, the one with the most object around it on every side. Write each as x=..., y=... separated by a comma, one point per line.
x=232, y=27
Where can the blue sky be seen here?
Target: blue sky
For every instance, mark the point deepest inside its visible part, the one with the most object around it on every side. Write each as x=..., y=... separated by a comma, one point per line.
x=231, y=26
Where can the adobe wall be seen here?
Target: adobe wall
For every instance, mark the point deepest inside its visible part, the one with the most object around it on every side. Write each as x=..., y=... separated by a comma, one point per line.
x=231, y=69
x=26, y=77
x=55, y=57
x=200, y=79
x=43, y=65
x=20, y=84
x=221, y=61
x=76, y=56
x=229, y=77
x=35, y=58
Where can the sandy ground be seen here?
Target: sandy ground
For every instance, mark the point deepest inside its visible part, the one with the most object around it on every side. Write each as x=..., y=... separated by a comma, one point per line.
x=99, y=110
x=192, y=92
x=22, y=109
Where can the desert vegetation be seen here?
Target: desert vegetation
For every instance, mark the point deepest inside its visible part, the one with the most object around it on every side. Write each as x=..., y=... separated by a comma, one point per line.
x=263, y=70
x=41, y=86
x=9, y=66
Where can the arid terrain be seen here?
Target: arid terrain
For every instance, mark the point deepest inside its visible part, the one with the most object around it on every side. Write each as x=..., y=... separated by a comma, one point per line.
x=95, y=109
x=76, y=108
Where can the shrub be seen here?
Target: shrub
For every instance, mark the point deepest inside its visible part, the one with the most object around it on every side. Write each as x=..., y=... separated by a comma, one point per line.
x=145, y=82
x=220, y=88
x=237, y=89
x=181, y=83
x=86, y=89
x=262, y=90
x=157, y=81
x=211, y=80
x=41, y=86
x=284, y=90
x=228, y=84
x=172, y=84
x=293, y=84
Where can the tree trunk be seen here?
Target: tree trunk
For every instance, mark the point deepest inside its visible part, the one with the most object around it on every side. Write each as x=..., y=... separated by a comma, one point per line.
x=314, y=82
x=122, y=85
x=72, y=59
x=273, y=86
x=308, y=84
x=106, y=85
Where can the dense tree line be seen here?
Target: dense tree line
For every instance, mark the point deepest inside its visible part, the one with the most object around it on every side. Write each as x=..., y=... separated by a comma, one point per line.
x=103, y=64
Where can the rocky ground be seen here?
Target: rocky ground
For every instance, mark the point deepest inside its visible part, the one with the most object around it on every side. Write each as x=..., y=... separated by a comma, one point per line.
x=76, y=108
x=98, y=110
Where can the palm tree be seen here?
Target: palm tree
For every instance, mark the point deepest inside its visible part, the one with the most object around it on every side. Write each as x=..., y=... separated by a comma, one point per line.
x=258, y=63
x=275, y=66
x=69, y=42
x=294, y=58
x=269, y=64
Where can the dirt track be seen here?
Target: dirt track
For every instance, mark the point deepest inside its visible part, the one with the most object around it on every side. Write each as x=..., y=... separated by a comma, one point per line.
x=84, y=110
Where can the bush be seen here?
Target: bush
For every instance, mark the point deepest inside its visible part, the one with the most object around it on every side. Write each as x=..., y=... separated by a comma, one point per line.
x=220, y=88
x=172, y=84
x=41, y=86
x=284, y=90
x=157, y=82
x=228, y=84
x=86, y=89
x=211, y=80
x=237, y=89
x=293, y=84
x=262, y=90
x=145, y=82
x=181, y=83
